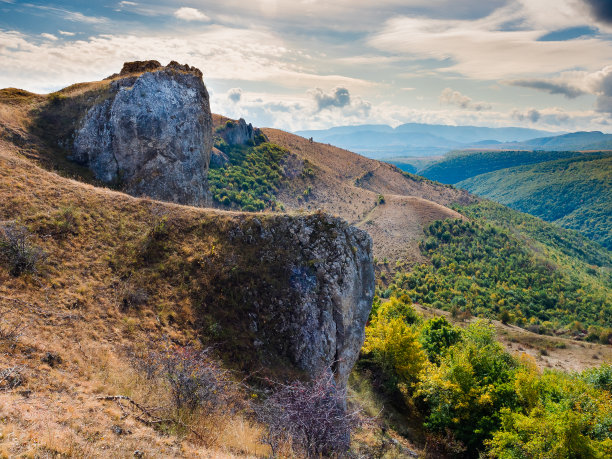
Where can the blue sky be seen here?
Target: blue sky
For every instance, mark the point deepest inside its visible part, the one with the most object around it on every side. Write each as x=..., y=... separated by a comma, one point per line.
x=313, y=64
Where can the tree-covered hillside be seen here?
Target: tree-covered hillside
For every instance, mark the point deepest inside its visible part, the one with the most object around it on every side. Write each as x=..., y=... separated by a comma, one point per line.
x=516, y=268
x=459, y=166
x=575, y=193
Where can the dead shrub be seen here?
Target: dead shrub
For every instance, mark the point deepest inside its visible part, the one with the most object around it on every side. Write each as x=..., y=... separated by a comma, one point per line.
x=11, y=377
x=17, y=252
x=130, y=296
x=310, y=416
x=440, y=446
x=200, y=393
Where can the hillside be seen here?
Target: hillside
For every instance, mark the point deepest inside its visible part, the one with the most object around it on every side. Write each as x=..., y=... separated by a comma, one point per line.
x=575, y=193
x=308, y=176
x=455, y=167
x=98, y=278
x=140, y=327
x=594, y=140
x=504, y=262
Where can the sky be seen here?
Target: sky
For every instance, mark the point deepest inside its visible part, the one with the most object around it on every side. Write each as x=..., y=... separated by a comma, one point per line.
x=313, y=64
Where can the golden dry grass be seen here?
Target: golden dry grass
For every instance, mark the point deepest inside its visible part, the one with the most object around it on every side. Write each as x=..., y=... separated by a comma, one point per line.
x=348, y=185
x=71, y=309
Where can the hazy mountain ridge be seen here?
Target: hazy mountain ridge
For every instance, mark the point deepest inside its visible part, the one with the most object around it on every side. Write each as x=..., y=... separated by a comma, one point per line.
x=455, y=167
x=378, y=141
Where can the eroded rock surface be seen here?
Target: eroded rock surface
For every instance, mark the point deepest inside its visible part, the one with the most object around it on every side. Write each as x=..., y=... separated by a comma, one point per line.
x=153, y=136
x=239, y=133
x=317, y=313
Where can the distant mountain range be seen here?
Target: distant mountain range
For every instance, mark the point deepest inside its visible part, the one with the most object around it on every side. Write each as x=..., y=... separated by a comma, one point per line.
x=415, y=139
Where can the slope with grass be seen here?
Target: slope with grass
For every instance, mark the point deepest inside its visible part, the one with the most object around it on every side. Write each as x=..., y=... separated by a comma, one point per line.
x=575, y=193
x=298, y=175
x=90, y=277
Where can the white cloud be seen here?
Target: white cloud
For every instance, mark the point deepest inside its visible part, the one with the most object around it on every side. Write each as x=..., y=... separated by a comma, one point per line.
x=575, y=83
x=48, y=36
x=79, y=17
x=190, y=14
x=220, y=52
x=450, y=97
x=487, y=49
x=66, y=34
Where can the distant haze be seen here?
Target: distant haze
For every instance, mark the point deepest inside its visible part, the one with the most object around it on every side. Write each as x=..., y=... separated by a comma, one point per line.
x=413, y=139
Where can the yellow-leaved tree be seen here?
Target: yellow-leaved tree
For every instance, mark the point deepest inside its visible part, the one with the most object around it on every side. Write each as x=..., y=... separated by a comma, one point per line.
x=393, y=344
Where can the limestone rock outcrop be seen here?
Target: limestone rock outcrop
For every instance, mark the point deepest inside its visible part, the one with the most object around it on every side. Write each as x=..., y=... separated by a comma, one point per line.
x=153, y=135
x=317, y=312
x=239, y=133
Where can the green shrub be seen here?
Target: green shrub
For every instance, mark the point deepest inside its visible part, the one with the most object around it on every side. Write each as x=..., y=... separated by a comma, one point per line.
x=251, y=179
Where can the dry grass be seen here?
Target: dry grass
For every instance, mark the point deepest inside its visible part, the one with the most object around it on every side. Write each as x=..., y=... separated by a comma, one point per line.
x=71, y=309
x=348, y=185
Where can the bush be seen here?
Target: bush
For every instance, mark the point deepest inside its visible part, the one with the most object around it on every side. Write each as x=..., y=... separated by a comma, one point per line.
x=466, y=392
x=17, y=252
x=311, y=416
x=130, y=296
x=437, y=336
x=195, y=379
x=393, y=344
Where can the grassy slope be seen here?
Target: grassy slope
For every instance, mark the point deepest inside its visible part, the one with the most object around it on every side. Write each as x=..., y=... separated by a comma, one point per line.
x=575, y=193
x=348, y=185
x=197, y=282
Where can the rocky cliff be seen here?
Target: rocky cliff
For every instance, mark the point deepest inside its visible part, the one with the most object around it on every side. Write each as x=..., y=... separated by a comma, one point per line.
x=270, y=291
x=153, y=134
x=239, y=132
x=315, y=309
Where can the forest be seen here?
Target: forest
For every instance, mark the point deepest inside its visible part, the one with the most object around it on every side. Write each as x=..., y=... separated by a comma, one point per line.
x=529, y=273
x=478, y=400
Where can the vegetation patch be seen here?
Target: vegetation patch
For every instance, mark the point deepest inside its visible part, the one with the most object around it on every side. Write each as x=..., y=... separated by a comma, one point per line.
x=575, y=193
x=17, y=252
x=481, y=269
x=251, y=179
x=477, y=399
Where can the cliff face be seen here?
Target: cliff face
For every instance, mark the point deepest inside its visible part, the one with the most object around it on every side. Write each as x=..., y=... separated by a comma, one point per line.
x=316, y=313
x=153, y=135
x=239, y=133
